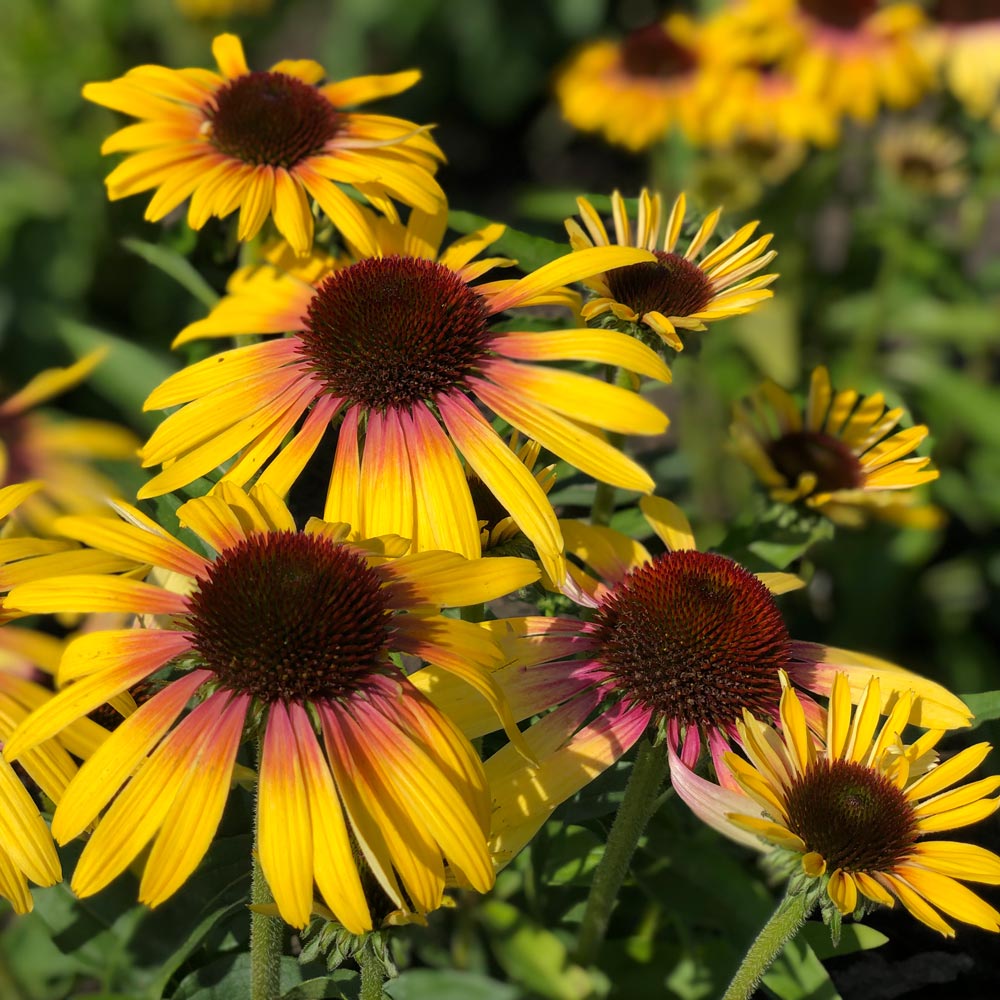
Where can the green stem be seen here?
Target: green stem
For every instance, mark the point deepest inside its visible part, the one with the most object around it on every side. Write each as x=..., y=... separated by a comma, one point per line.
x=266, y=933
x=372, y=971
x=637, y=807
x=784, y=924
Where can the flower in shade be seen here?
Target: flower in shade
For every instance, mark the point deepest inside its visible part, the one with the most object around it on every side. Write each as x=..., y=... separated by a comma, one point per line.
x=960, y=43
x=26, y=848
x=923, y=157
x=849, y=812
x=676, y=291
x=634, y=91
x=58, y=453
x=676, y=645
x=265, y=143
x=400, y=351
x=855, y=57
x=766, y=105
x=296, y=629
x=838, y=456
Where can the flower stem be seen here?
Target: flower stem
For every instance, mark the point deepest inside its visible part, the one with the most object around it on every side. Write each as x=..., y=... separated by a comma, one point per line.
x=783, y=925
x=372, y=971
x=637, y=807
x=266, y=933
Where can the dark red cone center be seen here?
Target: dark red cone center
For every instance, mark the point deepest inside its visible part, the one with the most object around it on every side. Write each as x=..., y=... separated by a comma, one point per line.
x=695, y=637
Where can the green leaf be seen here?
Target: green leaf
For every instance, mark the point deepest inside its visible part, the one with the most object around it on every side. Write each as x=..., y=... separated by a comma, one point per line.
x=534, y=957
x=530, y=252
x=228, y=978
x=572, y=856
x=973, y=406
x=191, y=942
x=985, y=706
x=441, y=984
x=174, y=265
x=127, y=375
x=853, y=937
x=343, y=984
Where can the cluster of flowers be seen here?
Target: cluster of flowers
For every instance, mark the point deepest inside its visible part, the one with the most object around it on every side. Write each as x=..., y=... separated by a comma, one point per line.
x=325, y=641
x=781, y=71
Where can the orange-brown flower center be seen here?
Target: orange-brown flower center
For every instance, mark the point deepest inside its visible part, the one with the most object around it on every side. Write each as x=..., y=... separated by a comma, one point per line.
x=271, y=119
x=286, y=616
x=389, y=331
x=852, y=816
x=694, y=637
x=650, y=51
x=965, y=11
x=826, y=457
x=844, y=15
x=672, y=286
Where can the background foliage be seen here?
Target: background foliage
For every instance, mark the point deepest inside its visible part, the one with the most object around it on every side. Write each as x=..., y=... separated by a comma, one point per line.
x=891, y=290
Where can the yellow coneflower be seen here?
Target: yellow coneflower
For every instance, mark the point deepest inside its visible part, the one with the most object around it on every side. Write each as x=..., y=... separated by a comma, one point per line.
x=634, y=91
x=26, y=848
x=676, y=291
x=836, y=455
x=960, y=43
x=299, y=629
x=855, y=811
x=402, y=351
x=854, y=57
x=677, y=644
x=265, y=142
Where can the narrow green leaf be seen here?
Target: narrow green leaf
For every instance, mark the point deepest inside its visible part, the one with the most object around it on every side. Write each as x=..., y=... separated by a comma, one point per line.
x=175, y=266
x=126, y=376
x=531, y=252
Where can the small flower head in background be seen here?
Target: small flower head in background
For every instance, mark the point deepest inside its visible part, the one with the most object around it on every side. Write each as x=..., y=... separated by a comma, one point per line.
x=264, y=142
x=294, y=629
x=634, y=91
x=401, y=350
x=836, y=455
x=676, y=291
x=58, y=453
x=924, y=158
x=848, y=814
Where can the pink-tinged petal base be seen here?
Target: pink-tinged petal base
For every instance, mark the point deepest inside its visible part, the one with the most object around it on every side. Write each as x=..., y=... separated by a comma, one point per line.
x=126, y=658
x=190, y=825
x=713, y=804
x=101, y=777
x=146, y=801
x=523, y=799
